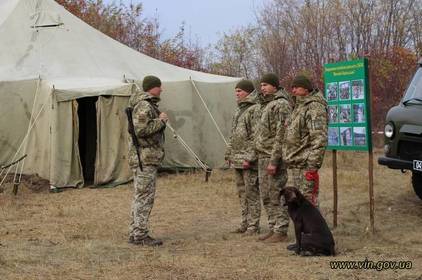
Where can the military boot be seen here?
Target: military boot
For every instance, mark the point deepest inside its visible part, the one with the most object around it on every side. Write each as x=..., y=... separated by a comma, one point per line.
x=241, y=229
x=276, y=237
x=265, y=236
x=251, y=232
x=146, y=241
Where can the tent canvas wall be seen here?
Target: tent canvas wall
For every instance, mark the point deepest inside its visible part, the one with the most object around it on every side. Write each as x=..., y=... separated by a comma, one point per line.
x=56, y=72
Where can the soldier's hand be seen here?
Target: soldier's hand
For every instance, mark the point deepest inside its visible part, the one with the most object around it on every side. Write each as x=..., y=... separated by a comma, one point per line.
x=271, y=169
x=246, y=164
x=163, y=116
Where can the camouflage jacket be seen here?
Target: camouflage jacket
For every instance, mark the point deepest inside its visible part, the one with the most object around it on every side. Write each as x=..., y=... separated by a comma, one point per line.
x=148, y=128
x=271, y=126
x=306, y=135
x=240, y=146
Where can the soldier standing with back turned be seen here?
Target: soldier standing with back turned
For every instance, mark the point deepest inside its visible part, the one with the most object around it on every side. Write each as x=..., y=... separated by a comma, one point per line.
x=149, y=124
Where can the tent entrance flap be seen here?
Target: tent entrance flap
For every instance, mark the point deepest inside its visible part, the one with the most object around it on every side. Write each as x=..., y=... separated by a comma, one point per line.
x=87, y=141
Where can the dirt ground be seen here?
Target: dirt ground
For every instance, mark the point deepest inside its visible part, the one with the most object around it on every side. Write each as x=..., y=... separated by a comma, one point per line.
x=82, y=233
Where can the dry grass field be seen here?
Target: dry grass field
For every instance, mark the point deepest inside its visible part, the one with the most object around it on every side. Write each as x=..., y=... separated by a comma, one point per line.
x=82, y=233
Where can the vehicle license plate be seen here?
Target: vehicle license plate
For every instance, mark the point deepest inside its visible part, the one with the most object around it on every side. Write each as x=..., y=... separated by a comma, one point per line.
x=417, y=165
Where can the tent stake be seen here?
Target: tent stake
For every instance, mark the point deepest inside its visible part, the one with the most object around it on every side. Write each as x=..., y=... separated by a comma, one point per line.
x=207, y=174
x=15, y=188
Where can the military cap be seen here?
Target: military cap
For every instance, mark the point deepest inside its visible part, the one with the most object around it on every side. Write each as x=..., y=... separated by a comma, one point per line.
x=150, y=82
x=302, y=81
x=245, y=85
x=272, y=79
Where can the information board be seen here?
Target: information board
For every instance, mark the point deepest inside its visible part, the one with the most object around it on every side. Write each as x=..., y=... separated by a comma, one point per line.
x=349, y=116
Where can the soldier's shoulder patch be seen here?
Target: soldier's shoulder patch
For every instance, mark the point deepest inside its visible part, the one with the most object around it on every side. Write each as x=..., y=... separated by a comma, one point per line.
x=316, y=107
x=316, y=119
x=317, y=124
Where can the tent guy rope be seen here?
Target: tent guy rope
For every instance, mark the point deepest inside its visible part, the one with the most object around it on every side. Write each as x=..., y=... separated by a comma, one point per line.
x=20, y=146
x=201, y=164
x=17, y=181
x=209, y=112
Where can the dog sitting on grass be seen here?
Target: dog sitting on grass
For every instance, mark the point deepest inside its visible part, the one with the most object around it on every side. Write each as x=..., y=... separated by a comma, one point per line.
x=313, y=237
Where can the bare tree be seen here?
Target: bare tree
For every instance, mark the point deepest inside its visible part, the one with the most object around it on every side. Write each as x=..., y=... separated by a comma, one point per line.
x=296, y=36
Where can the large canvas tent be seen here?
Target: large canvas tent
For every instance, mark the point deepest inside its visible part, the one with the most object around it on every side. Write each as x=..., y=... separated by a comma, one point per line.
x=64, y=86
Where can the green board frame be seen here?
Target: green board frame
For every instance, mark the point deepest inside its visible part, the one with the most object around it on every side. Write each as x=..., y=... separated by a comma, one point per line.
x=346, y=89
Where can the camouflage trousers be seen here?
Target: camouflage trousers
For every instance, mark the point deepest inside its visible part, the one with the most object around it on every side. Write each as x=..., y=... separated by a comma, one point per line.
x=143, y=201
x=248, y=191
x=308, y=188
x=270, y=187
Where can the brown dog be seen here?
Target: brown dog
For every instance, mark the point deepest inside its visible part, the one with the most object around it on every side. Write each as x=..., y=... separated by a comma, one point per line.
x=313, y=237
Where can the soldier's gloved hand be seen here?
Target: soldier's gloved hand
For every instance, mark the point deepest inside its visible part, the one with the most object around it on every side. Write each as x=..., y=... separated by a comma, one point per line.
x=246, y=165
x=271, y=169
x=163, y=116
x=312, y=175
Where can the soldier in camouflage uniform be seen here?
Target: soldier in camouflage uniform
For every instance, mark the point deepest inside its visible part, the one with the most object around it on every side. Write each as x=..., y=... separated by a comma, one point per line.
x=149, y=124
x=240, y=154
x=275, y=109
x=306, y=138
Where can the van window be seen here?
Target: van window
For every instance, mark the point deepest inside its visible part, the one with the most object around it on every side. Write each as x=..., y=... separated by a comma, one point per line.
x=414, y=91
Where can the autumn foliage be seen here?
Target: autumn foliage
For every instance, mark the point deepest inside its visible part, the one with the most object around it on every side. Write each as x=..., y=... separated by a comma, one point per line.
x=390, y=73
x=287, y=37
x=293, y=36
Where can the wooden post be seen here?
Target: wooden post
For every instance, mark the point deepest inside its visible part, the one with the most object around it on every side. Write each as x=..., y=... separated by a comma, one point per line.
x=335, y=197
x=371, y=191
x=207, y=174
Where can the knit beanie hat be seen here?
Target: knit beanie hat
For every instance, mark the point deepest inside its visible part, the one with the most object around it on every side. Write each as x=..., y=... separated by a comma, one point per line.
x=302, y=81
x=272, y=79
x=245, y=85
x=150, y=82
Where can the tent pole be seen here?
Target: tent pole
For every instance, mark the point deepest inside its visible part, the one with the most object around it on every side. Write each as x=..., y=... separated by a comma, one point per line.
x=186, y=146
x=206, y=107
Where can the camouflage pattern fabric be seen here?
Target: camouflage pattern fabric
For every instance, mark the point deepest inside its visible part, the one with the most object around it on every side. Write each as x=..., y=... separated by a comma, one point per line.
x=149, y=130
x=298, y=180
x=241, y=141
x=143, y=201
x=306, y=133
x=271, y=126
x=270, y=187
x=241, y=148
x=250, y=204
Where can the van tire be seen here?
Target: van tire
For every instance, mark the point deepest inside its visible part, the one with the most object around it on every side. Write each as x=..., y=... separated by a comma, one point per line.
x=417, y=183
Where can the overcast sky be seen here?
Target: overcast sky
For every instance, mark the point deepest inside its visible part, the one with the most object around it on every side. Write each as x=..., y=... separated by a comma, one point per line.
x=205, y=19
